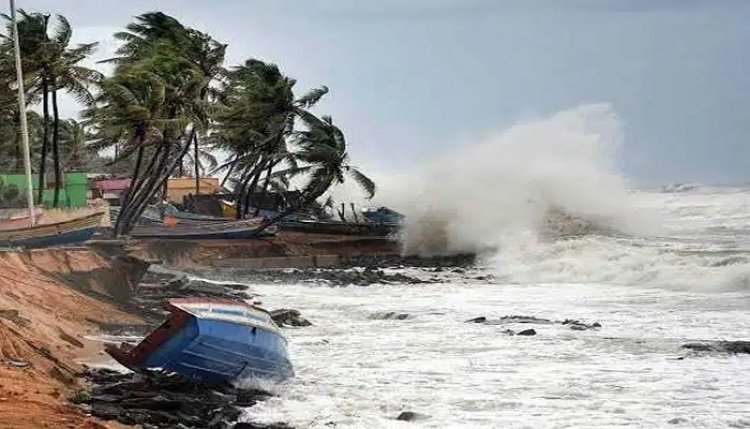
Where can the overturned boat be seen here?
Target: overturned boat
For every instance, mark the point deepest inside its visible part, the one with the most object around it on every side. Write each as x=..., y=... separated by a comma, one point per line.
x=214, y=340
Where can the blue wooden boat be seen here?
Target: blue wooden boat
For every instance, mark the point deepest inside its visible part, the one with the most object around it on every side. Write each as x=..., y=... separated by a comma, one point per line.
x=214, y=340
x=53, y=234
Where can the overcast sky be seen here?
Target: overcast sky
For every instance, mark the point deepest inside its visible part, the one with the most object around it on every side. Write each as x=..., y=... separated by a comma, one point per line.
x=410, y=79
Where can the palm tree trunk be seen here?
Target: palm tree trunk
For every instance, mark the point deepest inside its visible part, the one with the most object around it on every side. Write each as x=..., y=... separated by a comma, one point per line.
x=251, y=188
x=197, y=167
x=150, y=187
x=239, y=194
x=229, y=173
x=56, y=146
x=266, y=183
x=136, y=188
x=45, y=140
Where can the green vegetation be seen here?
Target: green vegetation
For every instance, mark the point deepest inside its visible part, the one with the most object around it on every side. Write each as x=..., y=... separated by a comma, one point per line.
x=167, y=109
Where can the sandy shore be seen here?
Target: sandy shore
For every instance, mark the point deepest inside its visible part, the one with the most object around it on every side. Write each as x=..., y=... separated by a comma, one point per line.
x=44, y=322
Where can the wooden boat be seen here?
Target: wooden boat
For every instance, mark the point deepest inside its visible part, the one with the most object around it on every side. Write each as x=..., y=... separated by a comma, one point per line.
x=53, y=234
x=214, y=340
x=232, y=230
x=336, y=227
x=17, y=218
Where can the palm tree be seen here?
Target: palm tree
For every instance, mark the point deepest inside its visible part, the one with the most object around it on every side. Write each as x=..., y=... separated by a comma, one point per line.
x=322, y=152
x=154, y=100
x=66, y=74
x=258, y=117
x=52, y=65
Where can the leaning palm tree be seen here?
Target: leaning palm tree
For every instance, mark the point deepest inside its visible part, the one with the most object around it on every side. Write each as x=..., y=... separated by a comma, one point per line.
x=259, y=114
x=324, y=162
x=152, y=105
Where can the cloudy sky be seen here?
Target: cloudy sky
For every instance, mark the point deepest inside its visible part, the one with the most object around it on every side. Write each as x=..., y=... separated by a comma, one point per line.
x=411, y=79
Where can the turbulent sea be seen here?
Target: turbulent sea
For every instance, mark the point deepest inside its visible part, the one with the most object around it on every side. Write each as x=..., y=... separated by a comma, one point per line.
x=650, y=294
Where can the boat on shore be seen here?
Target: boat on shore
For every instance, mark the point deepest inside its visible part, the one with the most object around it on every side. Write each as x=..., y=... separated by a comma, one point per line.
x=17, y=218
x=231, y=230
x=67, y=232
x=214, y=340
x=338, y=227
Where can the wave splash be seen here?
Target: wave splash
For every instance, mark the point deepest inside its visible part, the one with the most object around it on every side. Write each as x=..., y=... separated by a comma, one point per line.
x=543, y=203
x=545, y=177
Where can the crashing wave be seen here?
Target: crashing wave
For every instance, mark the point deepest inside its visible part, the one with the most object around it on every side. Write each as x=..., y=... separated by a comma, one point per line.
x=559, y=223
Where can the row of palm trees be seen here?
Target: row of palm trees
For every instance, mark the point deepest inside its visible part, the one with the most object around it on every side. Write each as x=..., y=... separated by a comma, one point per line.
x=51, y=65
x=171, y=104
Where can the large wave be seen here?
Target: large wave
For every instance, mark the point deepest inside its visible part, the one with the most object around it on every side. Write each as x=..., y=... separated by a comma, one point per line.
x=542, y=202
x=555, y=173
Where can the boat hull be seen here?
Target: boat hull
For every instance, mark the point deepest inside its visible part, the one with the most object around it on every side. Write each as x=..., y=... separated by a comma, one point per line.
x=219, y=352
x=233, y=230
x=56, y=234
x=61, y=239
x=216, y=341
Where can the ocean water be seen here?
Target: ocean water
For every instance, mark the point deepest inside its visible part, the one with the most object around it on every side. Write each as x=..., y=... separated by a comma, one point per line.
x=650, y=293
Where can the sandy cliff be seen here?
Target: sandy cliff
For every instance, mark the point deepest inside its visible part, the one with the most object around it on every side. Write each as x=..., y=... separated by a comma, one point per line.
x=48, y=305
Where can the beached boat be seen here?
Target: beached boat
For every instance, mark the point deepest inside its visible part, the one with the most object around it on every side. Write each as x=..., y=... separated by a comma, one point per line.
x=183, y=217
x=71, y=231
x=337, y=227
x=214, y=340
x=232, y=230
x=17, y=218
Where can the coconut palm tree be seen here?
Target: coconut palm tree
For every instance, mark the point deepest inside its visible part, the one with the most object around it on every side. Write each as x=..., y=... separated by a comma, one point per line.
x=154, y=104
x=324, y=162
x=52, y=65
x=257, y=118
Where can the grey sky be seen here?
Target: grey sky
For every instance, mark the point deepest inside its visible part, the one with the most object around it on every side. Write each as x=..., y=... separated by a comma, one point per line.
x=413, y=78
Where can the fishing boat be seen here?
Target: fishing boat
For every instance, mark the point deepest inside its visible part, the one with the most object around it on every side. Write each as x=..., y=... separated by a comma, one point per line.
x=232, y=230
x=67, y=232
x=214, y=340
x=168, y=210
x=338, y=227
x=17, y=218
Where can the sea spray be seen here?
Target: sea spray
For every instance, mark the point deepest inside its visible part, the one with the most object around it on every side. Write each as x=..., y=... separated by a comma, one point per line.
x=502, y=189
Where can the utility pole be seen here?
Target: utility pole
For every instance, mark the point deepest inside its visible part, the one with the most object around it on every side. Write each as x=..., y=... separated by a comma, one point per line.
x=22, y=115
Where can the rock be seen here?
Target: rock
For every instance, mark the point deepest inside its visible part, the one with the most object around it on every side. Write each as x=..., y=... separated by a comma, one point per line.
x=289, y=317
x=526, y=319
x=580, y=326
x=527, y=332
x=390, y=315
x=731, y=347
x=155, y=399
x=410, y=416
x=480, y=319
x=677, y=421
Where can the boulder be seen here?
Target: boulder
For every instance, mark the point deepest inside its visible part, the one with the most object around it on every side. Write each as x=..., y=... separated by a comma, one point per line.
x=527, y=332
x=289, y=317
x=410, y=416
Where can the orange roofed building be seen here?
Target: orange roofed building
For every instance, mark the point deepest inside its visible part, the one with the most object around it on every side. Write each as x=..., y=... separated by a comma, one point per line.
x=180, y=187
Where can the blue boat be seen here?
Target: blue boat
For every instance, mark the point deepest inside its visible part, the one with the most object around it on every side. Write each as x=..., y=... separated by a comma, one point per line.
x=214, y=340
x=72, y=231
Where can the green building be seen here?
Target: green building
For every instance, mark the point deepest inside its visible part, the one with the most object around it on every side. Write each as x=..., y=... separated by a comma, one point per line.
x=72, y=194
